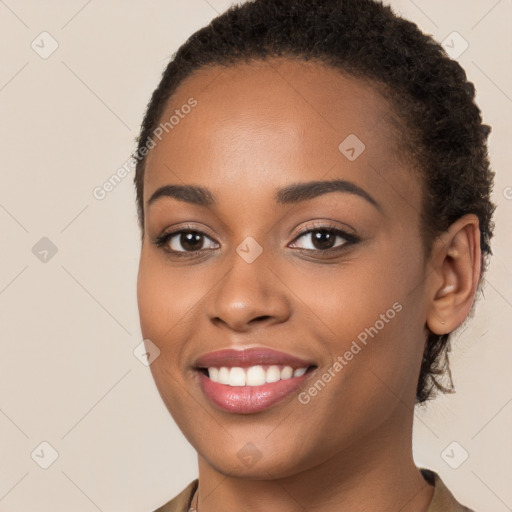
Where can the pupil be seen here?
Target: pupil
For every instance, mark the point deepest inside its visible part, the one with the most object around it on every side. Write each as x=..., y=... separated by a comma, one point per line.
x=323, y=240
x=191, y=241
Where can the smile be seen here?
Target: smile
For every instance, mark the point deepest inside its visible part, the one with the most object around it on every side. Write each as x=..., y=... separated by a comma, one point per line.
x=252, y=380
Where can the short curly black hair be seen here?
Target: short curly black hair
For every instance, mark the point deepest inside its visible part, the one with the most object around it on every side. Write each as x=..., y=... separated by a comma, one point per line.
x=441, y=126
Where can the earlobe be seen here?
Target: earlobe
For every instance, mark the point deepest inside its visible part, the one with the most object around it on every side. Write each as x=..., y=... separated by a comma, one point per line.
x=456, y=261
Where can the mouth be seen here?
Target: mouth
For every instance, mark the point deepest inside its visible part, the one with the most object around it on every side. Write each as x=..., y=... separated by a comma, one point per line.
x=251, y=380
x=252, y=376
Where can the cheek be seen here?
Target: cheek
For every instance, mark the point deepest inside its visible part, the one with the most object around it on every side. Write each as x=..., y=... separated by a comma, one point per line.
x=343, y=300
x=372, y=377
x=166, y=297
x=369, y=315
x=163, y=303
x=171, y=301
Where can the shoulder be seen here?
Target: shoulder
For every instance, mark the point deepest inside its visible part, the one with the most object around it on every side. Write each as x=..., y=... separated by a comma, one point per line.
x=443, y=500
x=181, y=502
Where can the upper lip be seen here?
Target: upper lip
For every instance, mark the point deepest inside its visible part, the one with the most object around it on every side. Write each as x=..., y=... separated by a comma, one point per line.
x=250, y=357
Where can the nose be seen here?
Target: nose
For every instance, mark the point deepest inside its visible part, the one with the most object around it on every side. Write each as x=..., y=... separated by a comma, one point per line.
x=249, y=295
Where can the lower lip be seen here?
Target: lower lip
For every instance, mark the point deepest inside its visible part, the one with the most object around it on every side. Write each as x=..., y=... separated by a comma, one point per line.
x=249, y=399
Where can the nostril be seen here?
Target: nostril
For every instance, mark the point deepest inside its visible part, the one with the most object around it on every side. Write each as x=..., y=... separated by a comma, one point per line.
x=261, y=318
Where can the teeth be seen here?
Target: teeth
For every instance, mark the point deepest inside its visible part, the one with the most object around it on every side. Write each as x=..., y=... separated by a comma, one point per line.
x=214, y=374
x=273, y=374
x=236, y=377
x=223, y=376
x=299, y=372
x=254, y=375
x=287, y=372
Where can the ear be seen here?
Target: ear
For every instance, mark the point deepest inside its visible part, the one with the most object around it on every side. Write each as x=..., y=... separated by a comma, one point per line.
x=456, y=262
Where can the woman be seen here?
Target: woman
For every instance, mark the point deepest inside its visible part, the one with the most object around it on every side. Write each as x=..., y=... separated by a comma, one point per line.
x=313, y=194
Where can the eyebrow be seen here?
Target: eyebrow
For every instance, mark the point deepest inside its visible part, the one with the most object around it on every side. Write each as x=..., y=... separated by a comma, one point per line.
x=291, y=194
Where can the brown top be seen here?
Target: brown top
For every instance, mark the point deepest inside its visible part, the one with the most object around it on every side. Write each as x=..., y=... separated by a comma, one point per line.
x=443, y=500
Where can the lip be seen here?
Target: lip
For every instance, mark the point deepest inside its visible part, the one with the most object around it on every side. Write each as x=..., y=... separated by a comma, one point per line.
x=250, y=399
x=250, y=357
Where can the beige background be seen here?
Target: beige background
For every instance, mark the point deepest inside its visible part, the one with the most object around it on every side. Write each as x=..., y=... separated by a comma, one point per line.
x=68, y=375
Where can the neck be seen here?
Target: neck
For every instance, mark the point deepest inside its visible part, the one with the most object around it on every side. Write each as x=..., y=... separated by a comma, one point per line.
x=377, y=472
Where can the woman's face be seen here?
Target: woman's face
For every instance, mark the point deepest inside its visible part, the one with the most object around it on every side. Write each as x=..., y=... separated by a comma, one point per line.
x=267, y=269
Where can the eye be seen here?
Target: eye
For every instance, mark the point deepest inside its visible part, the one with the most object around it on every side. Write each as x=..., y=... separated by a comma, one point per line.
x=185, y=242
x=324, y=239
x=190, y=242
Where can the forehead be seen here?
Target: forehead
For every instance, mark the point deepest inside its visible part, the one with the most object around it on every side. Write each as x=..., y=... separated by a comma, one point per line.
x=263, y=124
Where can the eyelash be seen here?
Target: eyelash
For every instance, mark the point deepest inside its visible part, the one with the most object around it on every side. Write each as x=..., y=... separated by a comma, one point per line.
x=349, y=238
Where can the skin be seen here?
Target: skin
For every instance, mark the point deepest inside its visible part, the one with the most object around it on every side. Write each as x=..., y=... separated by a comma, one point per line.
x=256, y=128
